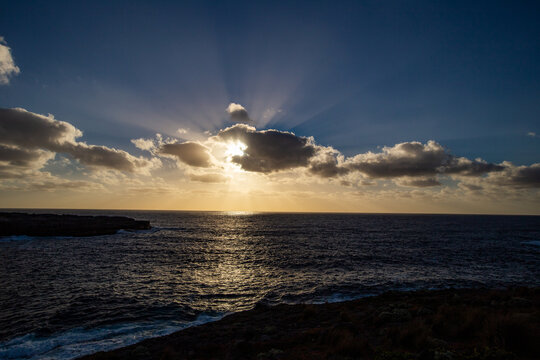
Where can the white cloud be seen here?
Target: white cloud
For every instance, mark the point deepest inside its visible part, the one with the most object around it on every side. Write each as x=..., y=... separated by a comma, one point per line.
x=7, y=64
x=238, y=113
x=144, y=144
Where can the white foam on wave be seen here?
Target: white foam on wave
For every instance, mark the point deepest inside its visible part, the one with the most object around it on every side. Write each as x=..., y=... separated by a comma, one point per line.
x=79, y=341
x=16, y=238
x=532, y=242
x=121, y=231
x=131, y=232
x=338, y=297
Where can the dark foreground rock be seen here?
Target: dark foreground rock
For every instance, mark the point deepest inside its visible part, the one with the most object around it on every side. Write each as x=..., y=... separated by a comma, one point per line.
x=425, y=325
x=66, y=225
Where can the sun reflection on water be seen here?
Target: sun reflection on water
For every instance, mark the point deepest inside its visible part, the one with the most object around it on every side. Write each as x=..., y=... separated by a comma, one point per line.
x=240, y=213
x=234, y=271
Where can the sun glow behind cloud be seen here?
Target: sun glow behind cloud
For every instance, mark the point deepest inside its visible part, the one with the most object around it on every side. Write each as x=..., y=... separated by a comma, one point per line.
x=243, y=168
x=235, y=148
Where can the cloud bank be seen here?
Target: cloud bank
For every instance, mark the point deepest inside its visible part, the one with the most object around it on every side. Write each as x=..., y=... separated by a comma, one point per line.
x=407, y=164
x=31, y=144
x=28, y=140
x=414, y=159
x=8, y=68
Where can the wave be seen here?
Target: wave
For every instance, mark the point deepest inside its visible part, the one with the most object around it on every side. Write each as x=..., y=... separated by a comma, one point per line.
x=532, y=242
x=78, y=342
x=152, y=230
x=338, y=297
x=16, y=238
x=121, y=231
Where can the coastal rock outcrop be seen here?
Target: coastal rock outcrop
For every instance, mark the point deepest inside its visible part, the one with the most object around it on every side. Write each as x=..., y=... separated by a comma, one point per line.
x=12, y=223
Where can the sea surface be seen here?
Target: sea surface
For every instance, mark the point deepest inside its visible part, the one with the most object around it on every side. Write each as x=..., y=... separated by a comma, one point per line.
x=63, y=297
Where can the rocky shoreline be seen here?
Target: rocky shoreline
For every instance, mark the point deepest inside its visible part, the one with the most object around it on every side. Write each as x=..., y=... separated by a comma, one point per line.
x=13, y=224
x=424, y=325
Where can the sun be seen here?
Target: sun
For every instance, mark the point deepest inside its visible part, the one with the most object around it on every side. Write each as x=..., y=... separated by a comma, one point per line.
x=235, y=149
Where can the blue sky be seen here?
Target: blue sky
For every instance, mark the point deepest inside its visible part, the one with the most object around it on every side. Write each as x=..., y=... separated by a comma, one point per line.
x=355, y=75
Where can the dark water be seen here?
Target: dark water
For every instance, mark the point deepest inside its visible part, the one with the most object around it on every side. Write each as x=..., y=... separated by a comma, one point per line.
x=65, y=297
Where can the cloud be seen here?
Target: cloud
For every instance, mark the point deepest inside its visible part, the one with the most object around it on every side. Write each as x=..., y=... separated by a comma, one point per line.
x=32, y=180
x=31, y=131
x=238, y=113
x=416, y=159
x=405, y=159
x=13, y=156
x=471, y=187
x=517, y=176
x=102, y=156
x=24, y=134
x=532, y=134
x=465, y=167
x=144, y=144
x=411, y=163
x=209, y=178
x=190, y=153
x=29, y=142
x=60, y=184
x=268, y=150
x=421, y=182
x=327, y=163
x=327, y=169
x=7, y=64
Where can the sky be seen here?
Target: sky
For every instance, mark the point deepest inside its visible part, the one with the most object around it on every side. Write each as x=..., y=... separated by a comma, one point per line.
x=361, y=106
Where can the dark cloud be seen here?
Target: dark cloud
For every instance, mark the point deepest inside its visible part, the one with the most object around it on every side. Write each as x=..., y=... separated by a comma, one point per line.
x=272, y=150
x=28, y=141
x=527, y=176
x=190, y=153
x=28, y=130
x=209, y=178
x=471, y=187
x=326, y=163
x=416, y=159
x=238, y=113
x=327, y=169
x=24, y=135
x=409, y=164
x=19, y=157
x=518, y=176
x=12, y=172
x=268, y=150
x=405, y=159
x=465, y=167
x=102, y=156
x=422, y=182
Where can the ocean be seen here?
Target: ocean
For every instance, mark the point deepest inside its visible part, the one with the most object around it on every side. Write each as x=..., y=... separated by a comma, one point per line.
x=64, y=297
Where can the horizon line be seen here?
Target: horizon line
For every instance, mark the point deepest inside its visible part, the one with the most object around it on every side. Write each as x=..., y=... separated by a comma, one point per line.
x=278, y=212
